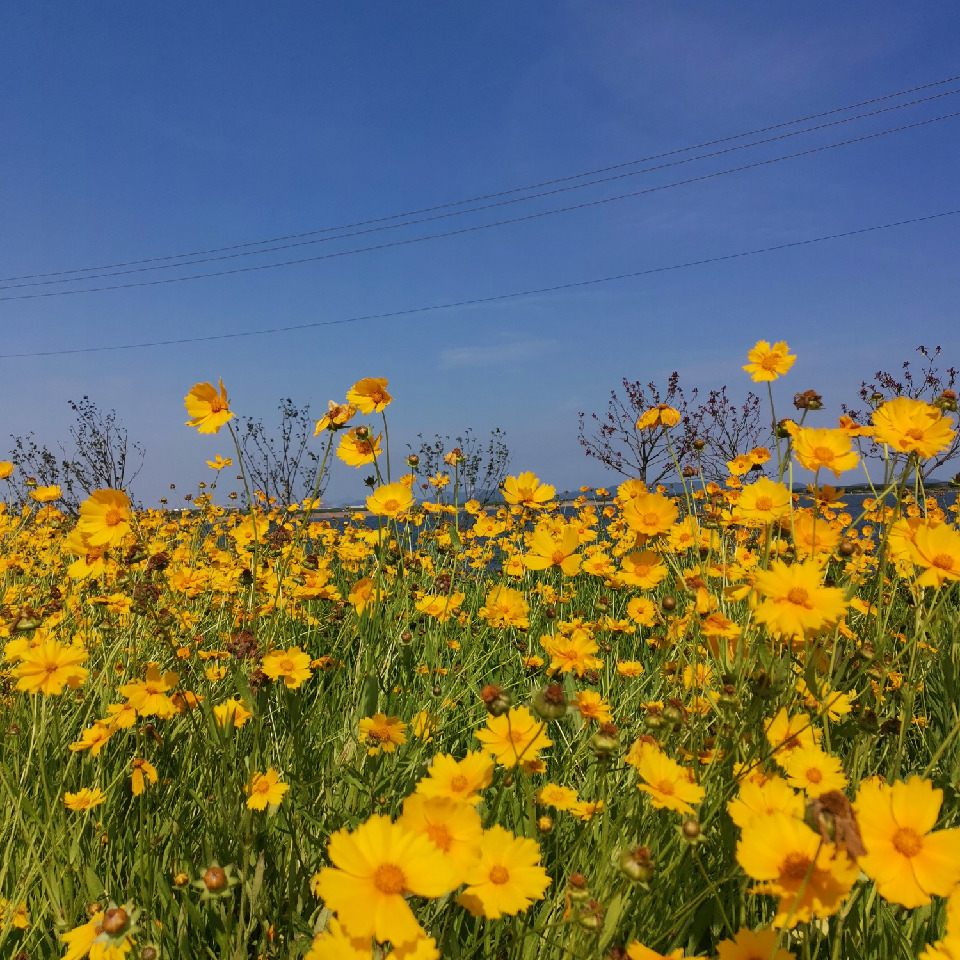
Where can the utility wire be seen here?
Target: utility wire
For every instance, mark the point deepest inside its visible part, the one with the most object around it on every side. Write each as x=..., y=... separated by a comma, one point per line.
x=488, y=206
x=483, y=226
x=480, y=300
x=504, y=193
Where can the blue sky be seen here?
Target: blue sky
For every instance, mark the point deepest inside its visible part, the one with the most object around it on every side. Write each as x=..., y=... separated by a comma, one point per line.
x=141, y=130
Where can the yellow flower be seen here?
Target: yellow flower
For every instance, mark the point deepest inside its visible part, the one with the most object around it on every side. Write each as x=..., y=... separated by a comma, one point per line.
x=149, y=696
x=650, y=514
x=6, y=469
x=795, y=604
x=381, y=732
x=747, y=945
x=265, y=789
x=506, y=607
x=358, y=447
x=452, y=826
x=459, y=779
x=233, y=711
x=908, y=862
x=293, y=665
x=554, y=547
x=773, y=795
x=50, y=666
x=912, y=426
x=392, y=500
x=370, y=395
x=514, y=736
x=104, y=518
x=573, y=653
x=830, y=449
x=218, y=462
x=84, y=799
x=208, y=409
x=811, y=877
x=768, y=363
x=592, y=706
x=375, y=868
x=814, y=771
x=143, y=773
x=526, y=490
x=46, y=494
x=507, y=878
x=643, y=568
x=336, y=416
x=935, y=548
x=554, y=795
x=662, y=415
x=762, y=502
x=671, y=786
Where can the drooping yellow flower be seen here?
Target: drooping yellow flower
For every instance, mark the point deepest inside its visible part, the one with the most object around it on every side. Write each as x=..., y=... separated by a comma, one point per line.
x=913, y=426
x=94, y=738
x=795, y=604
x=908, y=862
x=50, y=666
x=336, y=416
x=526, y=490
x=392, y=500
x=370, y=395
x=232, y=712
x=209, y=409
x=358, y=447
x=144, y=772
x=105, y=518
x=293, y=665
x=810, y=877
x=507, y=878
x=265, y=789
x=816, y=448
x=374, y=868
x=662, y=415
x=768, y=363
x=514, y=737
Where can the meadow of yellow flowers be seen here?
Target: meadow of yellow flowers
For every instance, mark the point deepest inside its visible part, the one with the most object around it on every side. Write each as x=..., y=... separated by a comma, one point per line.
x=722, y=723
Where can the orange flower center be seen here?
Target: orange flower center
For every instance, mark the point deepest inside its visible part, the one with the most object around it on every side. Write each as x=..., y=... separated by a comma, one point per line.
x=764, y=503
x=770, y=361
x=650, y=519
x=459, y=783
x=814, y=775
x=287, y=665
x=391, y=505
x=517, y=736
x=440, y=836
x=666, y=786
x=498, y=874
x=217, y=405
x=943, y=560
x=823, y=454
x=112, y=517
x=795, y=867
x=558, y=557
x=907, y=842
x=799, y=596
x=262, y=786
x=915, y=433
x=389, y=879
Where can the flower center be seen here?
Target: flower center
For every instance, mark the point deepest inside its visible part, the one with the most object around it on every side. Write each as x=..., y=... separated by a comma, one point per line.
x=666, y=786
x=943, y=560
x=799, y=596
x=391, y=506
x=823, y=454
x=112, y=517
x=498, y=874
x=440, y=836
x=915, y=433
x=558, y=557
x=770, y=361
x=907, y=842
x=650, y=519
x=287, y=665
x=764, y=503
x=459, y=783
x=389, y=879
x=795, y=867
x=217, y=405
x=814, y=775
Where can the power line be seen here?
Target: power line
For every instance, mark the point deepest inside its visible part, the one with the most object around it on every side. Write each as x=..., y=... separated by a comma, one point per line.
x=481, y=300
x=513, y=190
x=488, y=206
x=484, y=226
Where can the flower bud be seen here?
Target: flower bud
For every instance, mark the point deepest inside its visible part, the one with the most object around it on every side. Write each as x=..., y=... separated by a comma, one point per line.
x=550, y=703
x=636, y=864
x=605, y=741
x=545, y=824
x=495, y=699
x=669, y=603
x=577, y=887
x=690, y=829
x=214, y=879
x=115, y=921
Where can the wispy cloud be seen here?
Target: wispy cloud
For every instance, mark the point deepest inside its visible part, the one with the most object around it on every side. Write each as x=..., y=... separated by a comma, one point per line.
x=499, y=354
